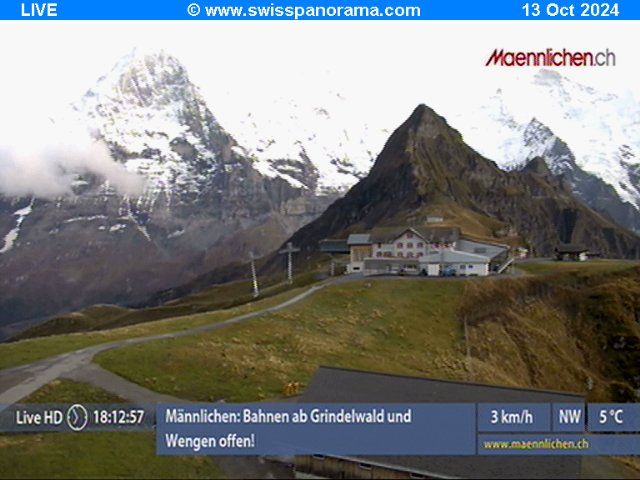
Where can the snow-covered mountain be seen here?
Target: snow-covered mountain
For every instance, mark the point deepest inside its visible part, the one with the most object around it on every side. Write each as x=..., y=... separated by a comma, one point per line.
x=203, y=204
x=324, y=147
x=156, y=122
x=326, y=144
x=601, y=132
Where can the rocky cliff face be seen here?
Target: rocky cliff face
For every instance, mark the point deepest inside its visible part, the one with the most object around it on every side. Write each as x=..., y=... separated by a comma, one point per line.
x=588, y=135
x=203, y=204
x=426, y=164
x=540, y=141
x=341, y=135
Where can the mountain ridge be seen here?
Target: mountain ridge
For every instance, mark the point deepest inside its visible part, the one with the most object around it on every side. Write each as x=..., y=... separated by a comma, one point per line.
x=589, y=135
x=425, y=164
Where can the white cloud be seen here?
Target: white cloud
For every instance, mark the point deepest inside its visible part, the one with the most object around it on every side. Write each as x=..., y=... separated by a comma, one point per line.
x=43, y=159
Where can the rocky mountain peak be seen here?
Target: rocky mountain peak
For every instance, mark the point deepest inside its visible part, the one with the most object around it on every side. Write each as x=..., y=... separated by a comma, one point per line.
x=158, y=124
x=426, y=164
x=538, y=139
x=421, y=131
x=145, y=79
x=428, y=123
x=537, y=165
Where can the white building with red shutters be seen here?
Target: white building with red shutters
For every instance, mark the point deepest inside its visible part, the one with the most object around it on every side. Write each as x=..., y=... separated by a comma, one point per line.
x=429, y=251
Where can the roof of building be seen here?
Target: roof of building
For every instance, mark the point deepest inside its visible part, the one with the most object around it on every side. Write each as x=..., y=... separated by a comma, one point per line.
x=454, y=256
x=331, y=245
x=433, y=234
x=571, y=248
x=337, y=385
x=359, y=239
x=333, y=384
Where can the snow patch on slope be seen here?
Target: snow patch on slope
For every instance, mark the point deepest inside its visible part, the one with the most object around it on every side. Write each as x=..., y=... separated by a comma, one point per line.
x=331, y=133
x=11, y=237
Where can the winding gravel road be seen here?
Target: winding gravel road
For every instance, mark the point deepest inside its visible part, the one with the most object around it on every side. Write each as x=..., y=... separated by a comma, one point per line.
x=19, y=382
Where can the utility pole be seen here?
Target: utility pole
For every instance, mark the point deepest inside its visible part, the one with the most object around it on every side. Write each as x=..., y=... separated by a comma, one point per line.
x=290, y=250
x=254, y=276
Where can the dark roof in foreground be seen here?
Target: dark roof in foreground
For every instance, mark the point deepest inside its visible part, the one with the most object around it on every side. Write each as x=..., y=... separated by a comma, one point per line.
x=332, y=384
x=337, y=385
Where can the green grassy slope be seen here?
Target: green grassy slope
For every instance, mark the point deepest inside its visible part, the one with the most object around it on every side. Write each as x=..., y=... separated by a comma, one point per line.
x=68, y=391
x=547, y=267
x=577, y=331
x=104, y=317
x=27, y=351
x=405, y=326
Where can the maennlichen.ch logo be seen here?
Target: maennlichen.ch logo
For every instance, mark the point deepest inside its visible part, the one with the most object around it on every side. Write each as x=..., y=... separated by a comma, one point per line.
x=551, y=58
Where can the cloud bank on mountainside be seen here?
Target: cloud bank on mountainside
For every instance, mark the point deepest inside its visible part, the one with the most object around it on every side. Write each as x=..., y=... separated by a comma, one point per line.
x=45, y=158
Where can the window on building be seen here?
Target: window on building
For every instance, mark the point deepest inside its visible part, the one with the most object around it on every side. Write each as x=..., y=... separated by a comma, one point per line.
x=400, y=254
x=470, y=266
x=420, y=254
x=409, y=245
x=420, y=245
x=410, y=255
x=399, y=245
x=409, y=234
x=379, y=254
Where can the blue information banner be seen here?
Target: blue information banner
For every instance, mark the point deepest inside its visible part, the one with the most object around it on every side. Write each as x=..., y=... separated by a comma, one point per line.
x=569, y=417
x=338, y=429
x=560, y=444
x=320, y=10
x=614, y=417
x=450, y=429
x=515, y=417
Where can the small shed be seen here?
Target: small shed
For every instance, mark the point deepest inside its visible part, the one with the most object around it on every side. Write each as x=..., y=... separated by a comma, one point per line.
x=571, y=253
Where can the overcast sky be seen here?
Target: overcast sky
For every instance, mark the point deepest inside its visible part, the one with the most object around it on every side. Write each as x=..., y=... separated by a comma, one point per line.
x=390, y=64
x=384, y=68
